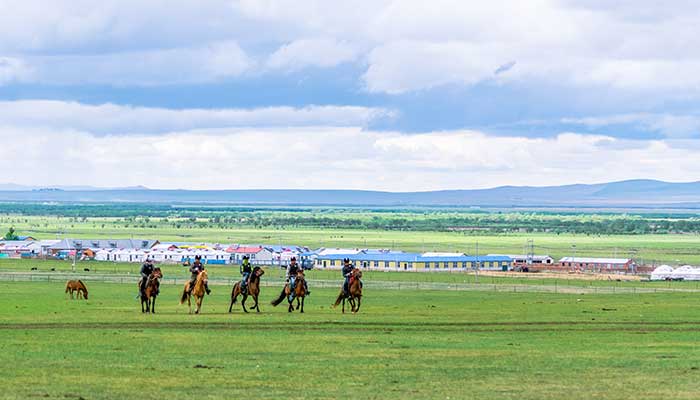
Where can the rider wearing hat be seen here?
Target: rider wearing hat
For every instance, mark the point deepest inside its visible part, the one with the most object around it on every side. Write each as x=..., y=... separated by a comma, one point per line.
x=146, y=271
x=246, y=270
x=292, y=270
x=195, y=269
x=347, y=273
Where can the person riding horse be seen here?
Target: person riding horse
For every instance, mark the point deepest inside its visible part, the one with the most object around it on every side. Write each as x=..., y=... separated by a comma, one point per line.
x=146, y=271
x=347, y=273
x=195, y=269
x=292, y=270
x=245, y=270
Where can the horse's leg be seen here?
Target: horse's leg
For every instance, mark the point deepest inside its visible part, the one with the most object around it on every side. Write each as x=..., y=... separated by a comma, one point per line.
x=298, y=303
x=153, y=305
x=302, y=304
x=233, y=298
x=359, y=301
x=199, y=304
x=257, y=305
x=143, y=310
x=343, y=304
x=245, y=297
x=291, y=305
x=189, y=302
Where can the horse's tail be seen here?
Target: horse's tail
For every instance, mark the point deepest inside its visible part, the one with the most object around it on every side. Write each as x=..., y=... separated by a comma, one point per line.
x=67, y=286
x=278, y=300
x=339, y=299
x=183, y=297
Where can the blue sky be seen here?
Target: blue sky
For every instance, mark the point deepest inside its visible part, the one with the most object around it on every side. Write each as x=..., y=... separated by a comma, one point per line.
x=389, y=95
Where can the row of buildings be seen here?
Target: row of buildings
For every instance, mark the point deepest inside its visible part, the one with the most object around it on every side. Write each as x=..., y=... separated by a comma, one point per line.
x=137, y=250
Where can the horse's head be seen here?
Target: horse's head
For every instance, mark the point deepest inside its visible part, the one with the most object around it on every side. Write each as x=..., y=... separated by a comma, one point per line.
x=85, y=293
x=257, y=271
x=357, y=273
x=157, y=273
x=203, y=275
x=300, y=274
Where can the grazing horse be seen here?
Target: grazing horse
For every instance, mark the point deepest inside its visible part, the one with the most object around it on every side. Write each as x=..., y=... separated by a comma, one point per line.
x=299, y=293
x=198, y=292
x=77, y=286
x=253, y=290
x=354, y=292
x=148, y=296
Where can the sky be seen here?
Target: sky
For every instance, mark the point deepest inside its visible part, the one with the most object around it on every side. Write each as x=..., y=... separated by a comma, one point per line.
x=376, y=95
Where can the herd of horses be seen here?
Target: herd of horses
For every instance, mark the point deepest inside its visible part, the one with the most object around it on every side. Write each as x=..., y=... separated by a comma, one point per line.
x=152, y=288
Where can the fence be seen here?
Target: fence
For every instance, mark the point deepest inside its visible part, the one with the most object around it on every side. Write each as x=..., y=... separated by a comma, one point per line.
x=374, y=284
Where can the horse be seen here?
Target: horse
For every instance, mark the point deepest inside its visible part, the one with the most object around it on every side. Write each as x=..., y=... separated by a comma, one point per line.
x=299, y=293
x=253, y=290
x=77, y=286
x=149, y=294
x=354, y=292
x=197, y=292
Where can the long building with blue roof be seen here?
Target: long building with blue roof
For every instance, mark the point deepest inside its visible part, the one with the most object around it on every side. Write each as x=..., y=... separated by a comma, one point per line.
x=392, y=261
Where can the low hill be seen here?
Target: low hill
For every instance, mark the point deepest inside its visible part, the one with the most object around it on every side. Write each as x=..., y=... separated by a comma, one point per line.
x=632, y=193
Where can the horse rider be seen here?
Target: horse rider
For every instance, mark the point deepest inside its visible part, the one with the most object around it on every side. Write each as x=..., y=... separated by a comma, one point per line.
x=347, y=273
x=292, y=270
x=195, y=269
x=146, y=271
x=246, y=270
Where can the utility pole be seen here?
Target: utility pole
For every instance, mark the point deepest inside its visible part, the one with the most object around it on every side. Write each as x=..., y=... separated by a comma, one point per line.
x=530, y=252
x=478, y=263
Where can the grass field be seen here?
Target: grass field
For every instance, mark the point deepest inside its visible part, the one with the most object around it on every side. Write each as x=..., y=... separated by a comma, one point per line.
x=646, y=249
x=98, y=269
x=426, y=344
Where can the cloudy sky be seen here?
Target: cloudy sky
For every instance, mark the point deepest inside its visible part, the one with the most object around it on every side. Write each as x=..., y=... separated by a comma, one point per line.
x=391, y=95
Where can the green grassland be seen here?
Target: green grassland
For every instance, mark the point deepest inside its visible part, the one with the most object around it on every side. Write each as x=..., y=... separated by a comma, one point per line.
x=403, y=344
x=56, y=270
x=646, y=248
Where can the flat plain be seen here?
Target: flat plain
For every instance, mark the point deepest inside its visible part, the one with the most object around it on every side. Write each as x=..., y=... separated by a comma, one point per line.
x=402, y=344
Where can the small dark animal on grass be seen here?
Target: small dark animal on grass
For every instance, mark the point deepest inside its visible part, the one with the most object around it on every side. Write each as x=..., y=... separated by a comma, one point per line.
x=34, y=268
x=77, y=286
x=86, y=269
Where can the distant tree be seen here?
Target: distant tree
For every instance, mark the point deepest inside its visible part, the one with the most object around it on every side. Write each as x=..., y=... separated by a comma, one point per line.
x=11, y=235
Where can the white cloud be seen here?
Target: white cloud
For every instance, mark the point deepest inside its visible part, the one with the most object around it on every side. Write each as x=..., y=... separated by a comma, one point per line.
x=669, y=125
x=318, y=157
x=407, y=45
x=12, y=70
x=312, y=52
x=208, y=63
x=119, y=119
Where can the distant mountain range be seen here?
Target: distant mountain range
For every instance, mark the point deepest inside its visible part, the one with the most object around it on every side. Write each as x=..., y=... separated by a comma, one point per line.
x=631, y=193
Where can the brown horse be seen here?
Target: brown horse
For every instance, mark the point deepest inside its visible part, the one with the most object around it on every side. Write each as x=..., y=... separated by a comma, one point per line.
x=77, y=286
x=299, y=293
x=198, y=292
x=148, y=296
x=354, y=292
x=253, y=290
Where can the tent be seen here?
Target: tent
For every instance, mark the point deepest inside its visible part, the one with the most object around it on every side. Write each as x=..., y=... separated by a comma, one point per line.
x=661, y=273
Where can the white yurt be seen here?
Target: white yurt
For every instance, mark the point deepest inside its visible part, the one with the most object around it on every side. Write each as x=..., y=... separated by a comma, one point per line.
x=102, y=255
x=686, y=272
